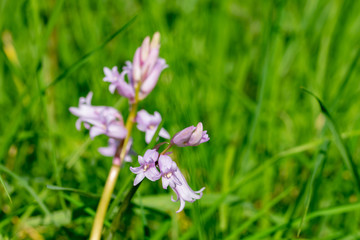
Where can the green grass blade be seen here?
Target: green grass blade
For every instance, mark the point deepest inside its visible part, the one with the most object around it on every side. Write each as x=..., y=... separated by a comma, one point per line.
x=55, y=15
x=338, y=141
x=320, y=213
x=235, y=234
x=226, y=182
x=74, y=190
x=5, y=189
x=82, y=60
x=77, y=153
x=27, y=187
x=162, y=231
x=142, y=216
x=86, y=209
x=11, y=130
x=319, y=161
x=348, y=74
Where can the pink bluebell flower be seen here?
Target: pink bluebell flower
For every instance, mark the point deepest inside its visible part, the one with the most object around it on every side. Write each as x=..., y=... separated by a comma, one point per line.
x=117, y=81
x=149, y=123
x=172, y=176
x=99, y=119
x=144, y=71
x=190, y=136
x=147, y=167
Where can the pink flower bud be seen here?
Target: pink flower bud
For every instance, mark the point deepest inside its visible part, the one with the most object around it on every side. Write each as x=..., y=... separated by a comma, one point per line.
x=190, y=136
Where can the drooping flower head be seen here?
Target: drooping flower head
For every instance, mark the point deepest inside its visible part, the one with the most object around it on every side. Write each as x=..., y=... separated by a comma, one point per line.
x=149, y=123
x=147, y=167
x=99, y=119
x=190, y=136
x=144, y=71
x=172, y=176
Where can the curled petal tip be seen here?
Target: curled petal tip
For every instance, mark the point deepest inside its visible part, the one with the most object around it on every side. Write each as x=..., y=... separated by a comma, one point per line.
x=155, y=42
x=200, y=191
x=182, y=206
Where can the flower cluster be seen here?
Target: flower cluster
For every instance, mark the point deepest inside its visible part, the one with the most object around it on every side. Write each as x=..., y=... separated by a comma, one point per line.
x=137, y=79
x=169, y=171
x=142, y=73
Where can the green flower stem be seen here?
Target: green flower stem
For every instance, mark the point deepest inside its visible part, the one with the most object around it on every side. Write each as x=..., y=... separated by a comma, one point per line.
x=112, y=177
x=104, y=203
x=166, y=149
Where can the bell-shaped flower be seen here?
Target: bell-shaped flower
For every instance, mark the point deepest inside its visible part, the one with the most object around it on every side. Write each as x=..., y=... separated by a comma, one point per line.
x=143, y=72
x=147, y=167
x=117, y=81
x=149, y=123
x=190, y=136
x=113, y=148
x=99, y=119
x=172, y=176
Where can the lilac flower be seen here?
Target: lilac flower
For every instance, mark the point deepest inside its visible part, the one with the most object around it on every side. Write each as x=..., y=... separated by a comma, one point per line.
x=172, y=176
x=149, y=123
x=144, y=71
x=99, y=119
x=117, y=81
x=110, y=150
x=147, y=167
x=147, y=65
x=190, y=136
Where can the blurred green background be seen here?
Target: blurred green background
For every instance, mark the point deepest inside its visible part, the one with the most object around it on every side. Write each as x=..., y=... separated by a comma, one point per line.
x=273, y=161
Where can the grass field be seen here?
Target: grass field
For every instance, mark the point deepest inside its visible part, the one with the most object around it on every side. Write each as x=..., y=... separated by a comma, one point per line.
x=277, y=165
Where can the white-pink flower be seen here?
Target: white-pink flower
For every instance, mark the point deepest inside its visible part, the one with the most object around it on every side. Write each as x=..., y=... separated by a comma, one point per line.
x=171, y=176
x=99, y=119
x=147, y=167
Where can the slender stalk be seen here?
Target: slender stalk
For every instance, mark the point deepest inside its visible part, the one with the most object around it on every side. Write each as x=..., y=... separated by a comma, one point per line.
x=104, y=202
x=166, y=149
x=129, y=125
x=113, y=175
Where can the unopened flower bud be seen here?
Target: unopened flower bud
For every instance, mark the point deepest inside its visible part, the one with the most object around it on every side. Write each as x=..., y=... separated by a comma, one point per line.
x=190, y=136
